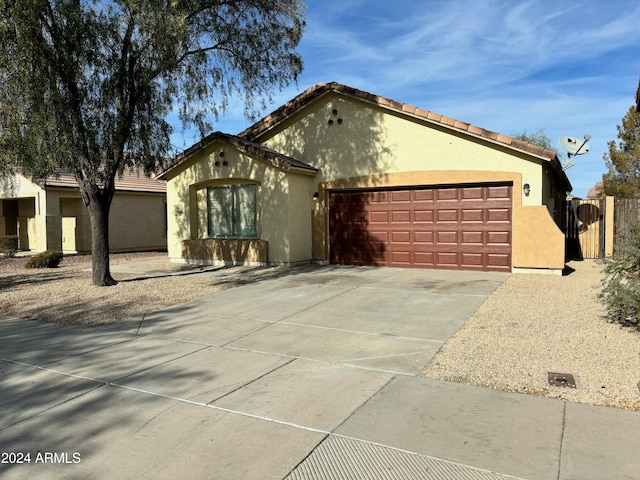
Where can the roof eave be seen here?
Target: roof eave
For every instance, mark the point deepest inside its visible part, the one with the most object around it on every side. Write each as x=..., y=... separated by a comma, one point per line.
x=274, y=158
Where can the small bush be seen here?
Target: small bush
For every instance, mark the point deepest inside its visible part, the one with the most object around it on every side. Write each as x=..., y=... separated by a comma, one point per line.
x=9, y=245
x=621, y=292
x=48, y=259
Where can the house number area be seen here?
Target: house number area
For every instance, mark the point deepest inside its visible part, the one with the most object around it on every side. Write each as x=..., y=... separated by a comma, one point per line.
x=15, y=458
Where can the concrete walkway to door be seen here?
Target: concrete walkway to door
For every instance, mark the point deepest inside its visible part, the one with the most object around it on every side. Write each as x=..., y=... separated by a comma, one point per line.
x=310, y=375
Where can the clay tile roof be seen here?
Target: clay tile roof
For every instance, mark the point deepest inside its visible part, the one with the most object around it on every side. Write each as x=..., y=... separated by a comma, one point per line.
x=319, y=89
x=274, y=157
x=133, y=180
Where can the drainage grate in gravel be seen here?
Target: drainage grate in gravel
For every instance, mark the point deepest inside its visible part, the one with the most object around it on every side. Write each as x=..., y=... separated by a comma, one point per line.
x=339, y=458
x=561, y=380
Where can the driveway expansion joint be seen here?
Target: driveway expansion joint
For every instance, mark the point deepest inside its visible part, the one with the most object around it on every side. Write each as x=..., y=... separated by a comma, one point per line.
x=246, y=384
x=560, y=448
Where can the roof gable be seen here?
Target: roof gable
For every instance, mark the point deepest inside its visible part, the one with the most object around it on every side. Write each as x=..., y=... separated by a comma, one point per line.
x=320, y=89
x=257, y=150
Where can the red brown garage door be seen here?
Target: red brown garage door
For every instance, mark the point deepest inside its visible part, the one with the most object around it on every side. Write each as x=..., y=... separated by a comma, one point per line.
x=458, y=227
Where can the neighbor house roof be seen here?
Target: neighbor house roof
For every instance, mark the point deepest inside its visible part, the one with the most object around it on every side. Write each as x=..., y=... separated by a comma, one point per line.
x=269, y=155
x=132, y=180
x=320, y=89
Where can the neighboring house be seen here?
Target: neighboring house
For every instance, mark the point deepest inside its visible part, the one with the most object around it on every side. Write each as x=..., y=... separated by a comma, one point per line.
x=342, y=176
x=595, y=192
x=50, y=214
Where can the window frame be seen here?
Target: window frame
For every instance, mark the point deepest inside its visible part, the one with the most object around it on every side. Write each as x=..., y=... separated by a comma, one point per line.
x=236, y=210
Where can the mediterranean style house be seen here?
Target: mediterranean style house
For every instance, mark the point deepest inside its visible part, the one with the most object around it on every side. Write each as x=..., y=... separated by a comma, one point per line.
x=339, y=175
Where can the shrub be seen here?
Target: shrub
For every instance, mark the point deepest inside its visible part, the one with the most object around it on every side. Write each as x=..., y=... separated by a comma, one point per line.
x=621, y=292
x=48, y=259
x=9, y=245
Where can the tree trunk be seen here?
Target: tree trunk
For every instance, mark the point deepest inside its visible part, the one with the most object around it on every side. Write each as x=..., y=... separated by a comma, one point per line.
x=99, y=204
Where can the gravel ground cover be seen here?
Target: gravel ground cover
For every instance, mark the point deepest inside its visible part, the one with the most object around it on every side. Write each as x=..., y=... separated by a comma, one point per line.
x=531, y=325
x=535, y=324
x=66, y=295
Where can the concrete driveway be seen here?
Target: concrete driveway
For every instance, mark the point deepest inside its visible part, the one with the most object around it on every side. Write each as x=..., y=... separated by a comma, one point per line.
x=308, y=375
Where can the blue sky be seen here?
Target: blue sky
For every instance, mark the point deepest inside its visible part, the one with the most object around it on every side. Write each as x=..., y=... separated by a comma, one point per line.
x=568, y=67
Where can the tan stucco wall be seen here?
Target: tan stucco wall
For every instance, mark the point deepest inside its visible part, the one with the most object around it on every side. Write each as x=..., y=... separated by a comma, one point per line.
x=137, y=220
x=371, y=140
x=29, y=218
x=537, y=240
x=300, y=218
x=609, y=224
x=283, y=200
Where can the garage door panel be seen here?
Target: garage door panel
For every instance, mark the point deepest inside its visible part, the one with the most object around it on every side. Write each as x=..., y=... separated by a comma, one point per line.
x=472, y=238
x=499, y=260
x=356, y=216
x=499, y=215
x=379, y=237
x=378, y=197
x=498, y=238
x=472, y=215
x=423, y=196
x=403, y=196
x=502, y=191
x=401, y=216
x=424, y=259
x=423, y=216
x=452, y=227
x=474, y=260
x=446, y=194
x=360, y=237
x=447, y=258
x=401, y=257
x=447, y=237
x=379, y=217
x=401, y=236
x=446, y=215
x=426, y=237
x=472, y=193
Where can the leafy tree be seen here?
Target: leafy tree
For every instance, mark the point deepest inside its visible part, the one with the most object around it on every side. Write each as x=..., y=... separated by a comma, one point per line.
x=623, y=159
x=86, y=86
x=538, y=138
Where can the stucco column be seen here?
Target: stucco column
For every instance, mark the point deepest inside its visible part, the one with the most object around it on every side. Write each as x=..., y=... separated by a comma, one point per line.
x=608, y=225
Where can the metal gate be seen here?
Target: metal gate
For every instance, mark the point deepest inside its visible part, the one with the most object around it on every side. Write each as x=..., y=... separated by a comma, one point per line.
x=584, y=226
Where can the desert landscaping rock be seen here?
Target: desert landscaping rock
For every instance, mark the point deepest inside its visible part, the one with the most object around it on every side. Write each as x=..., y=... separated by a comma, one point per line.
x=535, y=324
x=66, y=295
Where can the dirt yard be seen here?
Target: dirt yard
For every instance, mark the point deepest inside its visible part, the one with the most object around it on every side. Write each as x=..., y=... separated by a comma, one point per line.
x=66, y=295
x=534, y=324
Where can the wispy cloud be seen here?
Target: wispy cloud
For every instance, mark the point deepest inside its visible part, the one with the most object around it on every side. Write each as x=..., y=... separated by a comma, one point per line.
x=567, y=67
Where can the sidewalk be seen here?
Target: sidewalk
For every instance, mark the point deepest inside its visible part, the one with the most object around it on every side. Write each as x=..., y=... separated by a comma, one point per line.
x=266, y=381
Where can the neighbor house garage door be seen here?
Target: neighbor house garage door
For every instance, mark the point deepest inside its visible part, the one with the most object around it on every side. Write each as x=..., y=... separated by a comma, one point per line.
x=459, y=227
